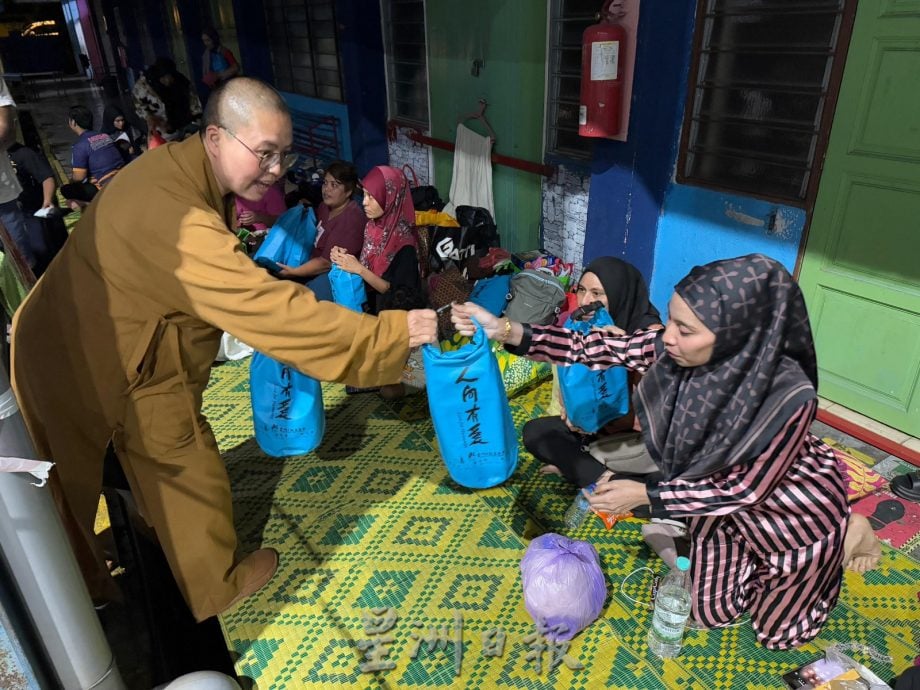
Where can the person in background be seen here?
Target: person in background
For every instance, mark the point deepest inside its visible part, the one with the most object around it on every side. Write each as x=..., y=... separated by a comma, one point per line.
x=123, y=133
x=340, y=222
x=389, y=261
x=259, y=216
x=217, y=62
x=127, y=321
x=46, y=234
x=564, y=449
x=96, y=159
x=728, y=395
x=10, y=212
x=167, y=101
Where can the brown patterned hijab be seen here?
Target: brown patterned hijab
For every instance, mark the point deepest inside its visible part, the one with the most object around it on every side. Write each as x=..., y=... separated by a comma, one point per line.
x=700, y=420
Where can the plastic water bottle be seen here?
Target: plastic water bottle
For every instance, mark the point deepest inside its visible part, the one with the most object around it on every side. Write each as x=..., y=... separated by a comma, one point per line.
x=578, y=511
x=672, y=609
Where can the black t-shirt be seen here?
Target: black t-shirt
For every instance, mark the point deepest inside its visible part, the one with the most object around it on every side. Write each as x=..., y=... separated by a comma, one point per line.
x=32, y=169
x=405, y=284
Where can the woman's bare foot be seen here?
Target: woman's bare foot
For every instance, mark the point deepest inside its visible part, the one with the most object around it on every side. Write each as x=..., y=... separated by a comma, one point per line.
x=861, y=549
x=550, y=469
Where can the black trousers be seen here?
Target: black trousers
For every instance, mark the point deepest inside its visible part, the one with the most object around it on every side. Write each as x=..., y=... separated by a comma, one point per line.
x=582, y=458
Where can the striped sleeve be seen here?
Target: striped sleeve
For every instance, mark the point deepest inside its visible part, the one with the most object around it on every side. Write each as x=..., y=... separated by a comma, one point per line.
x=741, y=486
x=596, y=350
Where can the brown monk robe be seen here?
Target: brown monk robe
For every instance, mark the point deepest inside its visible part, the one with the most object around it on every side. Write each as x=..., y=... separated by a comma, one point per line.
x=116, y=342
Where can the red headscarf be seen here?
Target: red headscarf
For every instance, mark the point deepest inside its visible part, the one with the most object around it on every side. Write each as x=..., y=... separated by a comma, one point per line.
x=395, y=229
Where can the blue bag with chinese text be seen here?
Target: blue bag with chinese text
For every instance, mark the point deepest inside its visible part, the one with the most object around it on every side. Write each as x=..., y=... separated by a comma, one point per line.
x=287, y=408
x=592, y=399
x=470, y=413
x=290, y=240
x=347, y=289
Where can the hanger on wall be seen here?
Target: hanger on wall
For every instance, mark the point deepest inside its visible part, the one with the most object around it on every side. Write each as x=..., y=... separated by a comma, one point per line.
x=480, y=115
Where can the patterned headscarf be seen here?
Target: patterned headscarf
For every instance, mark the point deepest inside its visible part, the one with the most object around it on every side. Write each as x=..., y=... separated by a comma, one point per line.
x=627, y=293
x=395, y=229
x=700, y=420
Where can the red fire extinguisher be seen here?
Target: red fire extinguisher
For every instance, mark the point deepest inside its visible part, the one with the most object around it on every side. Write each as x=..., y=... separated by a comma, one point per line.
x=602, y=50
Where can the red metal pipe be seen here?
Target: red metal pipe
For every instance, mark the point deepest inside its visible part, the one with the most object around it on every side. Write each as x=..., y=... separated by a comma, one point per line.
x=497, y=158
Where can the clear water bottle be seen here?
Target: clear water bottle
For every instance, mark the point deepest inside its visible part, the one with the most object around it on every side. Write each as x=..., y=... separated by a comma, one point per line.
x=672, y=609
x=578, y=511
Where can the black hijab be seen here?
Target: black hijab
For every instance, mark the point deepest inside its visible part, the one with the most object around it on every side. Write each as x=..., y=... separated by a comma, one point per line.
x=108, y=119
x=627, y=293
x=700, y=420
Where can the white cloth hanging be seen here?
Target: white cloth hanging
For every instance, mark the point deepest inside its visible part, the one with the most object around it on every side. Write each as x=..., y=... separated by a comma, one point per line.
x=471, y=183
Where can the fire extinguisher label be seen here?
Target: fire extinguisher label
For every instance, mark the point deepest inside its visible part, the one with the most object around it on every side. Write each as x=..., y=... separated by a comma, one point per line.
x=582, y=115
x=604, y=58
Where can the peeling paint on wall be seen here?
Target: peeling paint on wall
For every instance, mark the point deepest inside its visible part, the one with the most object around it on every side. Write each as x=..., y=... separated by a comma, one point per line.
x=734, y=214
x=565, y=215
x=404, y=150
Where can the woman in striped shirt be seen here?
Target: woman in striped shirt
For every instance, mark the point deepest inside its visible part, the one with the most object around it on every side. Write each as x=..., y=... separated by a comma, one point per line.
x=726, y=402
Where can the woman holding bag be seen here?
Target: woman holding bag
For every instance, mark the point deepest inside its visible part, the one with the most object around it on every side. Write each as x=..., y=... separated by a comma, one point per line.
x=726, y=402
x=561, y=446
x=340, y=222
x=389, y=263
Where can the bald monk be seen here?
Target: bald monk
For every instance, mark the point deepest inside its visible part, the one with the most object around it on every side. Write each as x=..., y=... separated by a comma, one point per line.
x=116, y=342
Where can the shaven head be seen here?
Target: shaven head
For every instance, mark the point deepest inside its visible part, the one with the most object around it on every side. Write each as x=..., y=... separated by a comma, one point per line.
x=246, y=124
x=232, y=104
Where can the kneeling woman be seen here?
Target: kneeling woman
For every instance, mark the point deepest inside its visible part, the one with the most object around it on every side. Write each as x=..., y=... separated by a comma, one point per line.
x=726, y=402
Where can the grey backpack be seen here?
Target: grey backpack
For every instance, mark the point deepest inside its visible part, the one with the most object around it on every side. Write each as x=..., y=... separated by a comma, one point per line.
x=534, y=297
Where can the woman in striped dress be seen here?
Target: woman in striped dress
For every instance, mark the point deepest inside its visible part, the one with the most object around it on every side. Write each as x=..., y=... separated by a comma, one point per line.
x=726, y=402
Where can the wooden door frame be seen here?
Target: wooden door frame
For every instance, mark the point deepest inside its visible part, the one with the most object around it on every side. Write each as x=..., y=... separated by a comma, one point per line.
x=827, y=121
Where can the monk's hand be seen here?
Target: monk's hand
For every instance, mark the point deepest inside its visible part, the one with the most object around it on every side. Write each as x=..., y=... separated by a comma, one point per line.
x=618, y=496
x=423, y=326
x=462, y=316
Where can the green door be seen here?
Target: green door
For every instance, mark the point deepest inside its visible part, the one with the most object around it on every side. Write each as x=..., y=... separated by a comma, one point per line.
x=861, y=270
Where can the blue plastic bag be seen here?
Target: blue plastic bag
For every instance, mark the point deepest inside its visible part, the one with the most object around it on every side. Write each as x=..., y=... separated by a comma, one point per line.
x=287, y=408
x=470, y=413
x=347, y=289
x=492, y=293
x=290, y=240
x=592, y=399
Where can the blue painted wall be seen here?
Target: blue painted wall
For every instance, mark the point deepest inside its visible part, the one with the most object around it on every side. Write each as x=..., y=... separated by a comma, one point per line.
x=320, y=107
x=699, y=225
x=364, y=80
x=629, y=179
x=638, y=212
x=252, y=35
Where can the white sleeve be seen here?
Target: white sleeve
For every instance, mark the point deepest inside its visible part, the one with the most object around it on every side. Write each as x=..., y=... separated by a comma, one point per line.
x=5, y=97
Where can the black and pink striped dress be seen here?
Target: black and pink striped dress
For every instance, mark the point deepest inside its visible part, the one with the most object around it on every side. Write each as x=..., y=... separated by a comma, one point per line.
x=767, y=535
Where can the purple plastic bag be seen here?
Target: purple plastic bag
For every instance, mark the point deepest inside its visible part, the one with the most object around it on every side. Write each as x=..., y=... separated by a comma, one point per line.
x=564, y=588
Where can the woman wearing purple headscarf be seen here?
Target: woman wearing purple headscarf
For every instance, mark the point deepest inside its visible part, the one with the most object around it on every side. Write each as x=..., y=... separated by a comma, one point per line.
x=726, y=402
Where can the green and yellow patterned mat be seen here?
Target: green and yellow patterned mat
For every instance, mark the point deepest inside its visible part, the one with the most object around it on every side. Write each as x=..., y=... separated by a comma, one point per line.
x=371, y=522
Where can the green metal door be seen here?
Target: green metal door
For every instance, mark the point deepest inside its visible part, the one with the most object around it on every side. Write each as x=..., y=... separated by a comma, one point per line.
x=861, y=270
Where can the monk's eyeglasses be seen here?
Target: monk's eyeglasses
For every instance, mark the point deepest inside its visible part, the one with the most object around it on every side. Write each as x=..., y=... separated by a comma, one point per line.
x=270, y=159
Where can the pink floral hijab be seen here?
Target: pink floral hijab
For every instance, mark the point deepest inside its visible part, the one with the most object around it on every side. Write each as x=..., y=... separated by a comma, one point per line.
x=395, y=229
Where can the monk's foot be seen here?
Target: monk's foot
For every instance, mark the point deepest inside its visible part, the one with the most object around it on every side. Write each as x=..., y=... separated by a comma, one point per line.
x=861, y=549
x=550, y=469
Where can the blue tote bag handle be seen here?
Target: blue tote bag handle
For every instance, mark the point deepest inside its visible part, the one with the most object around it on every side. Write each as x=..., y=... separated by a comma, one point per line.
x=593, y=399
x=471, y=416
x=347, y=289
